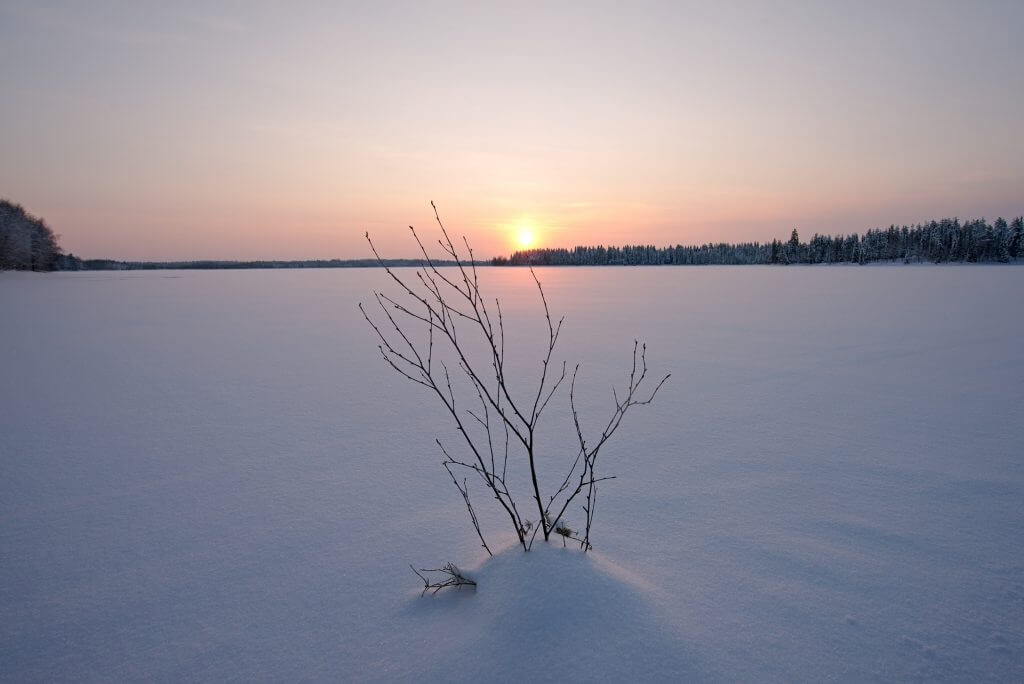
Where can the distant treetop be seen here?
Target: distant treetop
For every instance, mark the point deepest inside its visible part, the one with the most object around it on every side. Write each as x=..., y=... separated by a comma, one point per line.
x=26, y=242
x=936, y=241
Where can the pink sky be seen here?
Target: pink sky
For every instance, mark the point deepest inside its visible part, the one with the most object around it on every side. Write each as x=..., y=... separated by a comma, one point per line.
x=272, y=131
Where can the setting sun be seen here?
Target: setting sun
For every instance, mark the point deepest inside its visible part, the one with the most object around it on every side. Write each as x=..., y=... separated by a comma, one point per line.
x=524, y=234
x=525, y=238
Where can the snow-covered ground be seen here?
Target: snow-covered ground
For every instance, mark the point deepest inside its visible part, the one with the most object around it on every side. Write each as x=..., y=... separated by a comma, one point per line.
x=213, y=475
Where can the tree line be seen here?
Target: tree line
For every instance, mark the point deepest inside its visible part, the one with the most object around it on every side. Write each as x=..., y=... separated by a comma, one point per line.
x=73, y=263
x=948, y=240
x=26, y=242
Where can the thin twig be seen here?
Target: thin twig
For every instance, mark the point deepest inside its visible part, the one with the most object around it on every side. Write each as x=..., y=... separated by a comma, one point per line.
x=451, y=576
x=453, y=309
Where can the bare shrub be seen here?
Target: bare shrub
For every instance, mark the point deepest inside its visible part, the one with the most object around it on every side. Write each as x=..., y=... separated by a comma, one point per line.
x=440, y=324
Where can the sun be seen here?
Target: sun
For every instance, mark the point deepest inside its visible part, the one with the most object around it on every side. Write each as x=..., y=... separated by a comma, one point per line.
x=524, y=233
x=525, y=238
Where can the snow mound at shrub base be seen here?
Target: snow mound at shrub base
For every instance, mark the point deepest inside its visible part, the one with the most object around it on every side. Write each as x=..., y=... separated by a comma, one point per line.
x=552, y=614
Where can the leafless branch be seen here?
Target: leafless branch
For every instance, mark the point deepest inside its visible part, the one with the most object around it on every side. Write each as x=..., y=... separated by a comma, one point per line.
x=464, y=491
x=453, y=311
x=451, y=576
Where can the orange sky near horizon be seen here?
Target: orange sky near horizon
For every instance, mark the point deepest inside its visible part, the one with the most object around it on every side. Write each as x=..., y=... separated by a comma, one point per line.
x=274, y=132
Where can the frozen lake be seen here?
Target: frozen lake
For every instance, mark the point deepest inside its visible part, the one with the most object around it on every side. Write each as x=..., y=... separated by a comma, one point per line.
x=212, y=474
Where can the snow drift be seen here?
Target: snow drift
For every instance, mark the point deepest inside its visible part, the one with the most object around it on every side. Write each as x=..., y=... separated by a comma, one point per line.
x=553, y=614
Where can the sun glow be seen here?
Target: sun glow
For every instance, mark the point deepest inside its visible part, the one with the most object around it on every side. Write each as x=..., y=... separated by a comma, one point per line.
x=525, y=234
x=525, y=238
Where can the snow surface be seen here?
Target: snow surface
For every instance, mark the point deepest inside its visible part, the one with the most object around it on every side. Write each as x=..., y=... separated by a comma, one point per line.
x=577, y=616
x=211, y=475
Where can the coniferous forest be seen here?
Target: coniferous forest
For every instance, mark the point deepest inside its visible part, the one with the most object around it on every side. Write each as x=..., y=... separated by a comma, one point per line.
x=27, y=243
x=948, y=240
